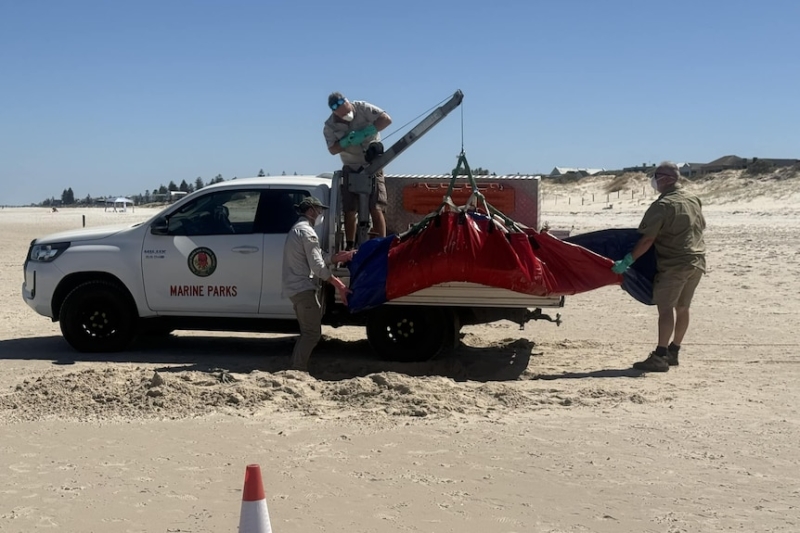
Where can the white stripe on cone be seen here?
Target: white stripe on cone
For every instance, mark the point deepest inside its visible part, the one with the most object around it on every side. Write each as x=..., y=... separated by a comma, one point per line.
x=254, y=517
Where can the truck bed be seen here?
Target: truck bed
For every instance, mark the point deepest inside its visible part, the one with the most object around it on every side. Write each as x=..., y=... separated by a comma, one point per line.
x=411, y=197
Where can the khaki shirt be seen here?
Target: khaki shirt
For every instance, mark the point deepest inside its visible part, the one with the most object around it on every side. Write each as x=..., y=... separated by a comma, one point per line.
x=676, y=221
x=302, y=260
x=336, y=128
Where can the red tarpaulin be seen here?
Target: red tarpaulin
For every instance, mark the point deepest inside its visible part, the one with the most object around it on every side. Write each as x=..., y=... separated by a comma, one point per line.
x=471, y=247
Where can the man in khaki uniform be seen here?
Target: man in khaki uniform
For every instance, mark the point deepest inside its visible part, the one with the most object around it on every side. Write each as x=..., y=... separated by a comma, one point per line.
x=674, y=223
x=348, y=131
x=304, y=263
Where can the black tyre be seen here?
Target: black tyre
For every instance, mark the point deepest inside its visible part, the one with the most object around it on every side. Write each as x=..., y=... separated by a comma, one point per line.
x=409, y=333
x=98, y=316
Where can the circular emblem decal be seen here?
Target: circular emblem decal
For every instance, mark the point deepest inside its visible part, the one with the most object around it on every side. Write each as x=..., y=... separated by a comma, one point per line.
x=202, y=262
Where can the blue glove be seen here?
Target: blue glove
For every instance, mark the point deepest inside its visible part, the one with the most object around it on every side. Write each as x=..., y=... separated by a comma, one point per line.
x=623, y=264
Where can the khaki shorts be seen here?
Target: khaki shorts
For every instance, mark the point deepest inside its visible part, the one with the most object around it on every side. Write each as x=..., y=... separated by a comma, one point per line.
x=376, y=199
x=675, y=288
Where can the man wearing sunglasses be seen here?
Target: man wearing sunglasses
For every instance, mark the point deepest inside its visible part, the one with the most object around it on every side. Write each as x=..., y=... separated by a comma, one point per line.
x=349, y=130
x=674, y=224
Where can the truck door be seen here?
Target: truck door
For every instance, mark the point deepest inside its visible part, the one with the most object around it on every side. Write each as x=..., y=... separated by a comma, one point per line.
x=279, y=217
x=207, y=257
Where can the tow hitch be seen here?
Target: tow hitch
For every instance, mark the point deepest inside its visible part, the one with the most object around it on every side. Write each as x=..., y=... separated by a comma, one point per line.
x=537, y=314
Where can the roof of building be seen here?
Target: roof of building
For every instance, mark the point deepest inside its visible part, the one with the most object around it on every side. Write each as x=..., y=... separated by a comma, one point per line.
x=728, y=160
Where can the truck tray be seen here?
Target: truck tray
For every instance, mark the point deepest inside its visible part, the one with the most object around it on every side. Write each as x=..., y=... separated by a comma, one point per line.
x=411, y=197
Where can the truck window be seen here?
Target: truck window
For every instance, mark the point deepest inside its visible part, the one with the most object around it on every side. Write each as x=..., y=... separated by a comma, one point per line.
x=278, y=205
x=219, y=213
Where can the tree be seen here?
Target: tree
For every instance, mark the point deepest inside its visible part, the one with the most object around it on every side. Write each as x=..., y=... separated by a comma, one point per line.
x=163, y=190
x=480, y=171
x=68, y=197
x=261, y=173
x=172, y=186
x=184, y=187
x=198, y=183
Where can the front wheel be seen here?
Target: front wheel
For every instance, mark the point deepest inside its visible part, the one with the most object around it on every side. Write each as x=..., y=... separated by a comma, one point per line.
x=98, y=316
x=411, y=333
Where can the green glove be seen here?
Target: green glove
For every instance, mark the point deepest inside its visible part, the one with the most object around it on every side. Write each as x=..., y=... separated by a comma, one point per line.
x=370, y=131
x=345, y=141
x=623, y=264
x=354, y=137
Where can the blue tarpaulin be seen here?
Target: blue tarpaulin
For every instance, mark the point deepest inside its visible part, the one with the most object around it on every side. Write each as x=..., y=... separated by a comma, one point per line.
x=614, y=244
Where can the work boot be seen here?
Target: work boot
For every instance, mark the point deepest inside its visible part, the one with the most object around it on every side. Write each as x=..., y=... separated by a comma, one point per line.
x=653, y=363
x=672, y=354
x=672, y=358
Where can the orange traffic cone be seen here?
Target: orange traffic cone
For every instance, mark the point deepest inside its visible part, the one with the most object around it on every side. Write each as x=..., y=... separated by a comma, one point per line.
x=254, y=517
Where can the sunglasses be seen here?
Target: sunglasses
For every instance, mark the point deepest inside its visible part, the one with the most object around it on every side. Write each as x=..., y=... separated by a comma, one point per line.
x=661, y=175
x=335, y=105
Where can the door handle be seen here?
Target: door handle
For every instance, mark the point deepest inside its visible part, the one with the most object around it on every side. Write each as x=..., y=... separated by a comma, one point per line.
x=245, y=249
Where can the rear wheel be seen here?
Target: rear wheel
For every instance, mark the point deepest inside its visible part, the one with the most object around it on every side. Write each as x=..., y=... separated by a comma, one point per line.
x=98, y=316
x=410, y=333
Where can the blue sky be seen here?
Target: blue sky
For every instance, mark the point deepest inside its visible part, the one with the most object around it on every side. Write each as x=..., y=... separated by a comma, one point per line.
x=120, y=97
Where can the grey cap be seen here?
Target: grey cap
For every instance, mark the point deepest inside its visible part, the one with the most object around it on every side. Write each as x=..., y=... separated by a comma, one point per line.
x=307, y=203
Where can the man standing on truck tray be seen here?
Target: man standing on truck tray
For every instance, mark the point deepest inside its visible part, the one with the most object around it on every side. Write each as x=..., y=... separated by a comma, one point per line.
x=348, y=132
x=303, y=261
x=674, y=223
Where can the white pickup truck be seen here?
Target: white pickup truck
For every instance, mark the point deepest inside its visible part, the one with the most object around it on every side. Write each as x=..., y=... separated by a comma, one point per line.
x=212, y=261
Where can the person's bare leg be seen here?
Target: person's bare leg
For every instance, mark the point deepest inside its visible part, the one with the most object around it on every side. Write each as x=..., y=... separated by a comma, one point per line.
x=666, y=324
x=350, y=222
x=681, y=324
x=378, y=222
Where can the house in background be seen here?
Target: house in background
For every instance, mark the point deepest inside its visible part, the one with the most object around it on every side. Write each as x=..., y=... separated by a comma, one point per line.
x=778, y=163
x=583, y=172
x=644, y=167
x=734, y=162
x=728, y=162
x=689, y=170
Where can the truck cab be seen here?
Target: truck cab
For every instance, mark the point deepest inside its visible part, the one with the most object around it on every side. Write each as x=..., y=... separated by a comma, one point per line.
x=213, y=257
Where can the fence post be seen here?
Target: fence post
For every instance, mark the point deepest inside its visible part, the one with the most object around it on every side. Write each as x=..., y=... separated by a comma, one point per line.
x=581, y=200
x=569, y=200
x=84, y=220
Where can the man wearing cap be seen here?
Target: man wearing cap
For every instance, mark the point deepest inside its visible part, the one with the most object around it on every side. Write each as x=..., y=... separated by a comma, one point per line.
x=348, y=131
x=674, y=223
x=303, y=261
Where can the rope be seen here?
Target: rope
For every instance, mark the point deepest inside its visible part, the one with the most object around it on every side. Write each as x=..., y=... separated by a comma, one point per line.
x=443, y=100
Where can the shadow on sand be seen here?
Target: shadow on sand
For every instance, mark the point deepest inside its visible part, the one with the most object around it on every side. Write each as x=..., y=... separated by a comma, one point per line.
x=608, y=373
x=333, y=359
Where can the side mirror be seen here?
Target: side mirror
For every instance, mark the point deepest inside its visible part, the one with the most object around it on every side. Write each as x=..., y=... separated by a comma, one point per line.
x=160, y=226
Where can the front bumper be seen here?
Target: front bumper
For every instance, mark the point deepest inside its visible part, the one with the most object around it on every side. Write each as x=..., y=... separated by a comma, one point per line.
x=41, y=280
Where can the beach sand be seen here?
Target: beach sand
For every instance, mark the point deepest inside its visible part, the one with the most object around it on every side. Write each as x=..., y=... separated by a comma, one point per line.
x=545, y=429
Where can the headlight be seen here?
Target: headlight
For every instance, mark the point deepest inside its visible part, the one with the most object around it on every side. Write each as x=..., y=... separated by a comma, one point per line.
x=44, y=253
